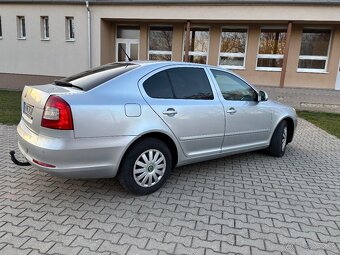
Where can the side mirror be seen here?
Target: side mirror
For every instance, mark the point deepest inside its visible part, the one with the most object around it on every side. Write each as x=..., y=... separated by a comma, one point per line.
x=263, y=96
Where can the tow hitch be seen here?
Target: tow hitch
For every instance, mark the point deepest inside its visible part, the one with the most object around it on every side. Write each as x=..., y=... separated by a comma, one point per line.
x=17, y=162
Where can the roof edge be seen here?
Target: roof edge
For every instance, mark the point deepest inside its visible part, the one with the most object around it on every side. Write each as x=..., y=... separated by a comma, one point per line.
x=183, y=2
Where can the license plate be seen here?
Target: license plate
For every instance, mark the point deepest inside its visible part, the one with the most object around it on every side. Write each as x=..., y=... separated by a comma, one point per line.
x=28, y=110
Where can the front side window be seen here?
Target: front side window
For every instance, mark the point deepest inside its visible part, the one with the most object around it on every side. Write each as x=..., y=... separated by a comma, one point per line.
x=160, y=43
x=69, y=28
x=45, y=28
x=198, y=45
x=233, y=47
x=271, y=49
x=314, y=50
x=233, y=88
x=179, y=83
x=21, y=27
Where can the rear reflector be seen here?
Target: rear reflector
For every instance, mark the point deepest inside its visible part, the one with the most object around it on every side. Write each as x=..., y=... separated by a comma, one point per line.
x=43, y=164
x=57, y=114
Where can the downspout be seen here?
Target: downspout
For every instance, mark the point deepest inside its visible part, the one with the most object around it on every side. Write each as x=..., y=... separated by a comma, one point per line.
x=89, y=41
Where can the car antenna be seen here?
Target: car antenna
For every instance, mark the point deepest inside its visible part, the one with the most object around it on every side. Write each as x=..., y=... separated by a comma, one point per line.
x=125, y=53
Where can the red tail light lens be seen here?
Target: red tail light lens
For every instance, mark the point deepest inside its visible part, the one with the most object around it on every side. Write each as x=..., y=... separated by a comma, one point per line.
x=43, y=164
x=57, y=114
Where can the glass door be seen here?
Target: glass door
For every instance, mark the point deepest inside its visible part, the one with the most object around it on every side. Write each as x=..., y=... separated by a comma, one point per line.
x=127, y=43
x=125, y=48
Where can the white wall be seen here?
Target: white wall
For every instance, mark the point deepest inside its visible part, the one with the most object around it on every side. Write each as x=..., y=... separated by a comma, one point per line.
x=55, y=57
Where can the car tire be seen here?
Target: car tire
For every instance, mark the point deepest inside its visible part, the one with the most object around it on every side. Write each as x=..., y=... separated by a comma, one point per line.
x=145, y=166
x=278, y=142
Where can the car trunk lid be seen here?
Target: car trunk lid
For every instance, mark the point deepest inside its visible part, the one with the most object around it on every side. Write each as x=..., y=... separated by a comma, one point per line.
x=33, y=101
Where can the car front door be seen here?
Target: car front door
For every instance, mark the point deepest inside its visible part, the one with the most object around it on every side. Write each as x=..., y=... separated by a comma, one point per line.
x=248, y=121
x=184, y=99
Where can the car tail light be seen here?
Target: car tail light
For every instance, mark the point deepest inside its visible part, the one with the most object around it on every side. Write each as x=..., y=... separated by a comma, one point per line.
x=57, y=114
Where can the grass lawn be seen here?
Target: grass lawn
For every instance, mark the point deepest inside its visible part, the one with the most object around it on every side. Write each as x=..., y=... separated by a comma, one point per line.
x=330, y=122
x=10, y=107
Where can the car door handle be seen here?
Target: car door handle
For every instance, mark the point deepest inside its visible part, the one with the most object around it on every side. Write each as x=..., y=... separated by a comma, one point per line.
x=170, y=112
x=231, y=110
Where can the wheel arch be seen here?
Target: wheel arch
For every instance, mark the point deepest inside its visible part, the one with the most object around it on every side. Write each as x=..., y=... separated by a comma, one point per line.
x=160, y=136
x=290, y=125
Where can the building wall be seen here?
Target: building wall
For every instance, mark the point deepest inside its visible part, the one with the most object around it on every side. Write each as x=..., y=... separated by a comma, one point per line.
x=57, y=57
x=33, y=56
x=216, y=16
x=313, y=80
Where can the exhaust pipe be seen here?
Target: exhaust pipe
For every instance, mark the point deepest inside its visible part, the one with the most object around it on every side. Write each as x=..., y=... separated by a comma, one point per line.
x=17, y=162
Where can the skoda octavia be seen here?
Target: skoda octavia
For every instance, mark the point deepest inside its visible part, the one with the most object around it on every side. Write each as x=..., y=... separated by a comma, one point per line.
x=139, y=120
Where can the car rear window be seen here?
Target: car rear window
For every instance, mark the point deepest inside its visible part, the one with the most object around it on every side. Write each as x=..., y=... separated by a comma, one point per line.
x=92, y=78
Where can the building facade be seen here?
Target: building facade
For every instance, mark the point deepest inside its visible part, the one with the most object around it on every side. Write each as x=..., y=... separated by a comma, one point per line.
x=288, y=43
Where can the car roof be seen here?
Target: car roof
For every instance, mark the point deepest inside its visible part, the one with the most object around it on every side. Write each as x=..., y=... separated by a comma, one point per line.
x=164, y=63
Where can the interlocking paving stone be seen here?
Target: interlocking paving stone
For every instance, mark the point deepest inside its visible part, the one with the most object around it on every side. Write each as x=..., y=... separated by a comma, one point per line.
x=244, y=204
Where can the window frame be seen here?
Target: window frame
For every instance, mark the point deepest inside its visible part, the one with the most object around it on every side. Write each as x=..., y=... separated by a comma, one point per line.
x=311, y=57
x=45, y=30
x=197, y=53
x=224, y=54
x=21, y=27
x=69, y=27
x=269, y=56
x=160, y=52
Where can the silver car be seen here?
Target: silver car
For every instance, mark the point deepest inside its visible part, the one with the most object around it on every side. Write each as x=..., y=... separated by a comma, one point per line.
x=139, y=120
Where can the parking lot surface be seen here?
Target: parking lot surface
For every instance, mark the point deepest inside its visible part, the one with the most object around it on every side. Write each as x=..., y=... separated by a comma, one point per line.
x=244, y=204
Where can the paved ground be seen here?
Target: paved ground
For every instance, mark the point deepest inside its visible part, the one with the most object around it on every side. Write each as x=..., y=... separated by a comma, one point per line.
x=325, y=100
x=246, y=204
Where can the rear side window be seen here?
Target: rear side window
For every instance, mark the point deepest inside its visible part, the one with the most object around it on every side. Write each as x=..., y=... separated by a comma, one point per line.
x=158, y=86
x=92, y=78
x=179, y=83
x=190, y=83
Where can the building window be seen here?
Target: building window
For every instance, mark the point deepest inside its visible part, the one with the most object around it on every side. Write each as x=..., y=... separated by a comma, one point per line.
x=45, y=28
x=69, y=22
x=271, y=49
x=233, y=47
x=314, y=50
x=198, y=45
x=0, y=28
x=21, y=27
x=160, y=43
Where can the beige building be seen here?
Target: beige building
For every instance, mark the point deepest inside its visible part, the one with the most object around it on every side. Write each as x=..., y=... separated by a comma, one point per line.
x=287, y=43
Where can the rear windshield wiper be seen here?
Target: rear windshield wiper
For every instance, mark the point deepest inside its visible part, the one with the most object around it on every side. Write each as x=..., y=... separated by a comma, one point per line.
x=66, y=84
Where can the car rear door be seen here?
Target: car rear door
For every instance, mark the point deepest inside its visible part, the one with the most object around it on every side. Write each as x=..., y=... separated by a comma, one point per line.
x=185, y=100
x=248, y=121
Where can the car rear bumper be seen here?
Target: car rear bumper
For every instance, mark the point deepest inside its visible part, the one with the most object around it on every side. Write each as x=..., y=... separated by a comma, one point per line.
x=73, y=158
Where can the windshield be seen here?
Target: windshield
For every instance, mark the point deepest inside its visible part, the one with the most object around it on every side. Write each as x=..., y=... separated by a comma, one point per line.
x=92, y=78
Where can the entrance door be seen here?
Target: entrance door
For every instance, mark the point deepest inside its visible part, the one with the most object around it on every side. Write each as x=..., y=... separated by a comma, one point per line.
x=127, y=43
x=337, y=85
